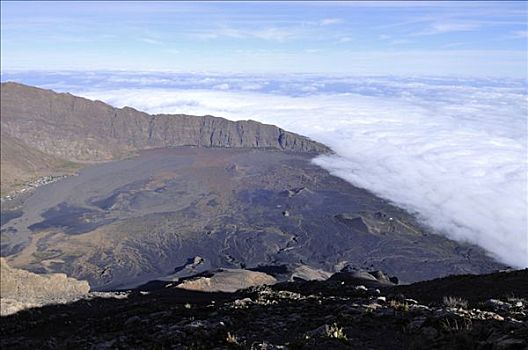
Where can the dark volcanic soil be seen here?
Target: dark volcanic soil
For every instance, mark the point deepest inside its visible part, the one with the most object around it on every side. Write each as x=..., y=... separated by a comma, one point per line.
x=324, y=315
x=124, y=223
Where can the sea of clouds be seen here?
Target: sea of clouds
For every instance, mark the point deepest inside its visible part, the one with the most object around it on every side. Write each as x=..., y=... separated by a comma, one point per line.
x=452, y=151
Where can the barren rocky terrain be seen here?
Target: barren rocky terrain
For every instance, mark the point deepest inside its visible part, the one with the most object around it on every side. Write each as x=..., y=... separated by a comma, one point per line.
x=354, y=310
x=124, y=223
x=225, y=194
x=186, y=221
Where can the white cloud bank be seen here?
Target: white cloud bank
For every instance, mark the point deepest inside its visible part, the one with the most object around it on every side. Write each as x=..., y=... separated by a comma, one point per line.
x=455, y=155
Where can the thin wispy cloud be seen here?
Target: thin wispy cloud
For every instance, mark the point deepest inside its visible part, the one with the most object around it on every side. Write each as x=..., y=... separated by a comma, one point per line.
x=331, y=21
x=448, y=27
x=269, y=33
x=400, y=41
x=520, y=34
x=454, y=45
x=173, y=51
x=275, y=33
x=151, y=41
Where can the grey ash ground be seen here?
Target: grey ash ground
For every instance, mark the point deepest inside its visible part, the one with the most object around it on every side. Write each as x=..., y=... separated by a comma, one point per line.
x=123, y=223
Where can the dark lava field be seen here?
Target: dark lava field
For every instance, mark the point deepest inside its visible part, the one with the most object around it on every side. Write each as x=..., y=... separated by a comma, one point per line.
x=123, y=223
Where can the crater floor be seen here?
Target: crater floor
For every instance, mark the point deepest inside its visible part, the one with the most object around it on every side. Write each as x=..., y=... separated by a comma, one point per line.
x=123, y=223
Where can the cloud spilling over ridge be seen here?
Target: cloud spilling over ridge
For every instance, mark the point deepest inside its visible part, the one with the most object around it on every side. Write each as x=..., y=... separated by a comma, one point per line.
x=453, y=153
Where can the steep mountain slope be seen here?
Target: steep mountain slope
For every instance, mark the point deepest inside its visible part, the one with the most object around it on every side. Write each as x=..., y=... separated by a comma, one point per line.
x=20, y=163
x=42, y=129
x=76, y=128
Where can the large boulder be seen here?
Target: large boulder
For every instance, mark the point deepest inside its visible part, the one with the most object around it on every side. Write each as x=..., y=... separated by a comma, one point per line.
x=228, y=280
x=20, y=289
x=308, y=273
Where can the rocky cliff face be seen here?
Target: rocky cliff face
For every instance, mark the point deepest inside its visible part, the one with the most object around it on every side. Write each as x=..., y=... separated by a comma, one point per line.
x=79, y=129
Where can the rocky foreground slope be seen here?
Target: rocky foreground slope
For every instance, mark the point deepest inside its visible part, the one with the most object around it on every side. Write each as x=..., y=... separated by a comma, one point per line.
x=350, y=310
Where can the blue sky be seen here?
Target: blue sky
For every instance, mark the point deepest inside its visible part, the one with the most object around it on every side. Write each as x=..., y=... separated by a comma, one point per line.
x=367, y=38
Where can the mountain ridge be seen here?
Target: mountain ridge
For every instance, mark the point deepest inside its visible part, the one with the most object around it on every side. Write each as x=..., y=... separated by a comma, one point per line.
x=77, y=129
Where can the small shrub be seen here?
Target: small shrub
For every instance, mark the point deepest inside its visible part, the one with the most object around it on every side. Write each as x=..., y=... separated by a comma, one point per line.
x=456, y=326
x=399, y=306
x=455, y=302
x=512, y=299
x=336, y=332
x=231, y=339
